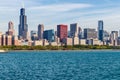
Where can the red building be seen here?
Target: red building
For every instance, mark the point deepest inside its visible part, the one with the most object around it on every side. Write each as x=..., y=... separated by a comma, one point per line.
x=62, y=32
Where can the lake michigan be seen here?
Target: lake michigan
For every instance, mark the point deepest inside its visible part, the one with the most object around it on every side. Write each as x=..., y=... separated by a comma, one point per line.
x=60, y=65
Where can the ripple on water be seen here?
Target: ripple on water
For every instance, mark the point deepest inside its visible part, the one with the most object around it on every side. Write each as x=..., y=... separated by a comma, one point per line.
x=61, y=65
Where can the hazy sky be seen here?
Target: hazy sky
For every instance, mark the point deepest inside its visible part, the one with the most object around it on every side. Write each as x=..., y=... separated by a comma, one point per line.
x=53, y=12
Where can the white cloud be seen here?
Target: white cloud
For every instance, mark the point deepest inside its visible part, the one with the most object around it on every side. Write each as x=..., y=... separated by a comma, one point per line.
x=56, y=13
x=86, y=18
x=61, y=7
x=7, y=9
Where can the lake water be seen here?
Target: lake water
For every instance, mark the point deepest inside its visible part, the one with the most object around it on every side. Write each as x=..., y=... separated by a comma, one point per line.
x=60, y=65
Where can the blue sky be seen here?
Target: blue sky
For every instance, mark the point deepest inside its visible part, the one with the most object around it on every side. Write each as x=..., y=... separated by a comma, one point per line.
x=52, y=12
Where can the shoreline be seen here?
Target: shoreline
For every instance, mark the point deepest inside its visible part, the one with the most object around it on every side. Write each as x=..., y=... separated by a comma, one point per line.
x=64, y=50
x=59, y=48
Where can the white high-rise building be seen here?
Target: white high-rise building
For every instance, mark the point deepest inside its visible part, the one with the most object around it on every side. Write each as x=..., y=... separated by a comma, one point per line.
x=114, y=38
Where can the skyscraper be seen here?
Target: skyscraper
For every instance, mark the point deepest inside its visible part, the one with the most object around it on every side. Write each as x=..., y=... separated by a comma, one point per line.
x=62, y=32
x=40, y=31
x=90, y=33
x=74, y=29
x=80, y=33
x=106, y=36
x=114, y=38
x=49, y=35
x=23, y=26
x=34, y=35
x=11, y=30
x=100, y=30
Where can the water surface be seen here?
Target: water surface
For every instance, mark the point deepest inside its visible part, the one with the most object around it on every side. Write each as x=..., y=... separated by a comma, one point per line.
x=60, y=65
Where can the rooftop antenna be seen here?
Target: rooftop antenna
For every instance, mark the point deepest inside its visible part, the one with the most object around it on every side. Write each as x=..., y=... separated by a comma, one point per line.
x=23, y=6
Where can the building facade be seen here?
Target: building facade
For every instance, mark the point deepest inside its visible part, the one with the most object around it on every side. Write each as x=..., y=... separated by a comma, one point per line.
x=90, y=33
x=62, y=33
x=49, y=35
x=114, y=38
x=100, y=30
x=34, y=35
x=74, y=30
x=9, y=40
x=40, y=31
x=11, y=30
x=80, y=33
x=23, y=26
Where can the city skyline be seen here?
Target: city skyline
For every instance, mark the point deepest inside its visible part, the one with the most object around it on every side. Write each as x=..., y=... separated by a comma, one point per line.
x=52, y=13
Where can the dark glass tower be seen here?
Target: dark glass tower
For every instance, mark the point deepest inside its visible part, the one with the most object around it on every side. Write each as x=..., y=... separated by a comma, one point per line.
x=100, y=30
x=49, y=35
x=23, y=26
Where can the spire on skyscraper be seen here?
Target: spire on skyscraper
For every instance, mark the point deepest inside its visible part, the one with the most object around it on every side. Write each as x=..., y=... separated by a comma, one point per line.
x=23, y=5
x=23, y=26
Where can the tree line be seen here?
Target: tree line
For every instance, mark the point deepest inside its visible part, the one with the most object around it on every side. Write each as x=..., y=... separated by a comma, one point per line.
x=75, y=47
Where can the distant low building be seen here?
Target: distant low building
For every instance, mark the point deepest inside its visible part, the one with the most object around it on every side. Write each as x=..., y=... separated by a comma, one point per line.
x=30, y=43
x=94, y=42
x=57, y=40
x=75, y=41
x=45, y=42
x=9, y=40
x=0, y=40
x=16, y=42
x=38, y=43
x=82, y=41
x=53, y=44
x=69, y=41
x=3, y=40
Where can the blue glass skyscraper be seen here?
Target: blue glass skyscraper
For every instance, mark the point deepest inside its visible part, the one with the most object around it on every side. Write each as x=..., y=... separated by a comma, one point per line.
x=74, y=29
x=23, y=26
x=49, y=35
x=100, y=30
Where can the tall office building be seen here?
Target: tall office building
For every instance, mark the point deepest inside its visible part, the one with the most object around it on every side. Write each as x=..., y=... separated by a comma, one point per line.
x=34, y=35
x=62, y=32
x=90, y=33
x=80, y=33
x=74, y=29
x=40, y=31
x=11, y=30
x=114, y=38
x=100, y=30
x=106, y=36
x=23, y=26
x=49, y=35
